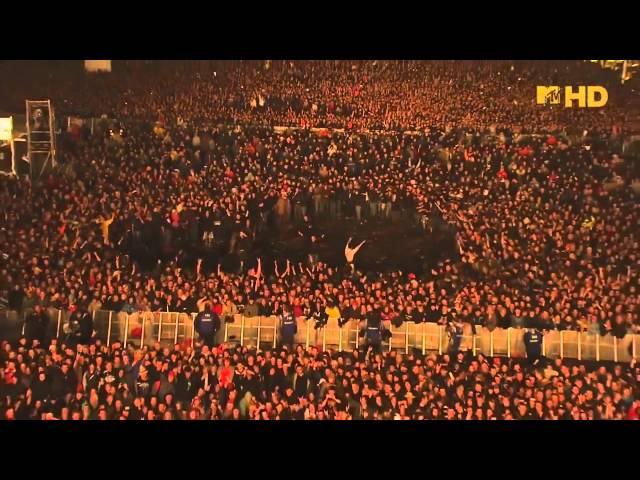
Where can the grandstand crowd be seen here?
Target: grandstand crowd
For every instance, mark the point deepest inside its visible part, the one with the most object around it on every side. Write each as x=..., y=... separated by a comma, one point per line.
x=139, y=215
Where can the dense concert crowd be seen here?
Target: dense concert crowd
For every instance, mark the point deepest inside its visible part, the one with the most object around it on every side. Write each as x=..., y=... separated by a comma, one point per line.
x=96, y=382
x=140, y=216
x=375, y=95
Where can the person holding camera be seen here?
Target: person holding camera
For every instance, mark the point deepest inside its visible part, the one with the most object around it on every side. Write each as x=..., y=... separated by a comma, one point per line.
x=331, y=403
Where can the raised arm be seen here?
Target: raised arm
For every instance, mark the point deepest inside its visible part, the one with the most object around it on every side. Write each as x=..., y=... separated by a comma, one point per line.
x=200, y=303
x=198, y=267
x=346, y=247
x=460, y=245
x=288, y=270
x=358, y=247
x=258, y=274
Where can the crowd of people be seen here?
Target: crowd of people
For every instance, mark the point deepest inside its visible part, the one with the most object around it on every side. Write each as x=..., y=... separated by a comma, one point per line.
x=356, y=95
x=141, y=216
x=545, y=233
x=96, y=382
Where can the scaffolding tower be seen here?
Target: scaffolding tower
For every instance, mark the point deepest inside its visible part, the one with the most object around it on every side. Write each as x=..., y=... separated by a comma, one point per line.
x=41, y=137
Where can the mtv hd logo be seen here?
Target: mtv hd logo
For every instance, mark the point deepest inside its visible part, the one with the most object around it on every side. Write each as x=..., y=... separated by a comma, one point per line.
x=548, y=95
x=586, y=96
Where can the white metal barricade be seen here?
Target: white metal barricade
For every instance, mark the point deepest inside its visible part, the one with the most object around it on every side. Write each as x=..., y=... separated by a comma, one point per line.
x=146, y=328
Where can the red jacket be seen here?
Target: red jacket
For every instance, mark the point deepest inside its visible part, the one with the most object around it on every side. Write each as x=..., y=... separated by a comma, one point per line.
x=525, y=151
x=225, y=376
x=175, y=219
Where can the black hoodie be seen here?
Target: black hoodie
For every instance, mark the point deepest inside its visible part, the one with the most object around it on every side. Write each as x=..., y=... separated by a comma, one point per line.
x=41, y=390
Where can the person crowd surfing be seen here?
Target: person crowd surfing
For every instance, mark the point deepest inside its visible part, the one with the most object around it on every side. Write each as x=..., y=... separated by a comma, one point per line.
x=350, y=253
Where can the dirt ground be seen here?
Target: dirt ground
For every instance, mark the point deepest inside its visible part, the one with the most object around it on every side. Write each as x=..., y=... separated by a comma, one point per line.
x=390, y=246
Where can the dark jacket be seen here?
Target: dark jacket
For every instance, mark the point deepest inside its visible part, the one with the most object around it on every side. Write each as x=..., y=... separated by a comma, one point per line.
x=300, y=385
x=63, y=384
x=36, y=326
x=186, y=388
x=533, y=342
x=252, y=384
x=40, y=390
x=207, y=323
x=15, y=299
x=163, y=387
x=85, y=325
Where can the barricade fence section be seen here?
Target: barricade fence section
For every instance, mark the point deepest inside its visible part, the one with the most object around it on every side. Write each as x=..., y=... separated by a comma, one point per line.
x=551, y=345
x=260, y=332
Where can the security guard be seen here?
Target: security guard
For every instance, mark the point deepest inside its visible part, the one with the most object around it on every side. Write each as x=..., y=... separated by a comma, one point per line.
x=82, y=326
x=456, y=332
x=207, y=325
x=373, y=333
x=288, y=327
x=533, y=344
x=36, y=325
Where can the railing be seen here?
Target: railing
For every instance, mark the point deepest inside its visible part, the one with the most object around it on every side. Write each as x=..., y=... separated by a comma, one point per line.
x=260, y=332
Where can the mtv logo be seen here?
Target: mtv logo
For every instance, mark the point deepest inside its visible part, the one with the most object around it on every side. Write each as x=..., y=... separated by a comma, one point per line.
x=585, y=96
x=548, y=95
